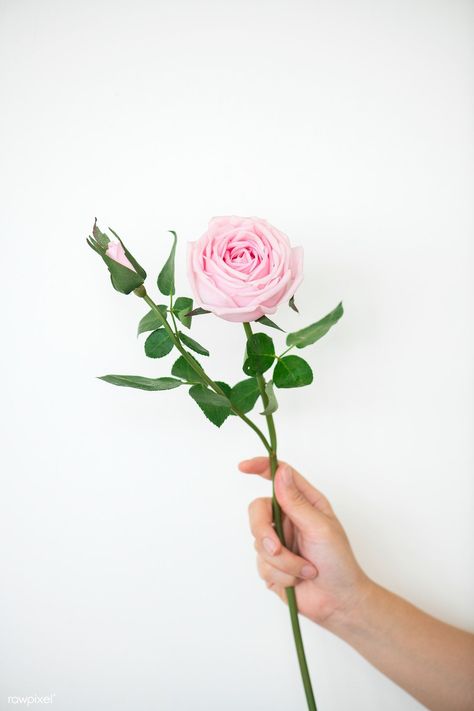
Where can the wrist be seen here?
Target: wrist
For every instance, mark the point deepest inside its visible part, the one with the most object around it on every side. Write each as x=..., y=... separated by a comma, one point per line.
x=351, y=617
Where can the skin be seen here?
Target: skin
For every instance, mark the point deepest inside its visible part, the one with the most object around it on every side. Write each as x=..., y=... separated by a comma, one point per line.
x=431, y=660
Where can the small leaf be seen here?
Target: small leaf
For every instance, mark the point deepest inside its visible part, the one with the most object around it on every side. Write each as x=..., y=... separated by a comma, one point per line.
x=216, y=407
x=272, y=404
x=292, y=304
x=311, y=334
x=292, y=372
x=265, y=321
x=166, y=276
x=245, y=394
x=99, y=236
x=197, y=312
x=136, y=381
x=151, y=321
x=182, y=369
x=158, y=344
x=226, y=389
x=194, y=345
x=260, y=354
x=181, y=307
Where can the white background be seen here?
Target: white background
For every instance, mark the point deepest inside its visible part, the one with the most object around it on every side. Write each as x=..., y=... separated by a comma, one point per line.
x=127, y=566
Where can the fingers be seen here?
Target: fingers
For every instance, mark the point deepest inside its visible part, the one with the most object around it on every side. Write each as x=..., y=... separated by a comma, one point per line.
x=260, y=517
x=269, y=546
x=272, y=576
x=287, y=562
x=297, y=499
x=257, y=465
x=261, y=467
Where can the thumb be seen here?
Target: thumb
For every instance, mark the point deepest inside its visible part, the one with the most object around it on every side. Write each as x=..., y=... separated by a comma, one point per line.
x=293, y=501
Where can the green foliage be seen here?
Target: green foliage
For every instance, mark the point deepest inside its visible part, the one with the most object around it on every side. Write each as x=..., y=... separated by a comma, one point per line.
x=182, y=369
x=292, y=372
x=272, y=404
x=151, y=320
x=166, y=276
x=181, y=308
x=292, y=304
x=260, y=354
x=194, y=345
x=311, y=334
x=198, y=312
x=100, y=237
x=265, y=321
x=244, y=395
x=216, y=407
x=136, y=381
x=158, y=344
x=226, y=389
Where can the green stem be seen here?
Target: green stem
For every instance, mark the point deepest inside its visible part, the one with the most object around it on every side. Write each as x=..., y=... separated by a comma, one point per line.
x=277, y=517
x=142, y=293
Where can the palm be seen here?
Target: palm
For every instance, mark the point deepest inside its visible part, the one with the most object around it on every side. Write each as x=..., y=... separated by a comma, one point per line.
x=317, y=598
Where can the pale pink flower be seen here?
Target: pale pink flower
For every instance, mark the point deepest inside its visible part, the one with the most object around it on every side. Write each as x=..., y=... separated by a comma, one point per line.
x=242, y=268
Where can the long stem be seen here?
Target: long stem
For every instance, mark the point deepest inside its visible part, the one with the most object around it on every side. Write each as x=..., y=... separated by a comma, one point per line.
x=277, y=517
x=141, y=292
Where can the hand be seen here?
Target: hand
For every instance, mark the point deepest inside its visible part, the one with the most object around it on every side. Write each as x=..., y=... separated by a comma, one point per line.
x=317, y=560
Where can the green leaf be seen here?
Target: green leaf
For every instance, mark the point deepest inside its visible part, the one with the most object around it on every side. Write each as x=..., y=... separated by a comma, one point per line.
x=292, y=372
x=181, y=307
x=272, y=405
x=292, y=304
x=245, y=394
x=194, y=345
x=136, y=381
x=265, y=321
x=182, y=369
x=216, y=407
x=100, y=237
x=151, y=321
x=226, y=389
x=260, y=354
x=311, y=334
x=166, y=276
x=197, y=312
x=158, y=344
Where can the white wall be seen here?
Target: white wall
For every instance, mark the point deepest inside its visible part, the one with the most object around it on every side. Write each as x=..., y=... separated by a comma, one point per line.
x=128, y=569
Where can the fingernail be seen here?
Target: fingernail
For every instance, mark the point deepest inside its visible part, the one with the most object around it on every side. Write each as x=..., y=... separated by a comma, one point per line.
x=307, y=571
x=287, y=475
x=269, y=545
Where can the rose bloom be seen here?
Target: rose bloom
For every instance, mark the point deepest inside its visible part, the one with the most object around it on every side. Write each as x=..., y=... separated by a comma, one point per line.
x=242, y=268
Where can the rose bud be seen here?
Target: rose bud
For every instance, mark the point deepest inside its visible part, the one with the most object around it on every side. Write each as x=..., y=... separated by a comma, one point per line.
x=243, y=268
x=125, y=272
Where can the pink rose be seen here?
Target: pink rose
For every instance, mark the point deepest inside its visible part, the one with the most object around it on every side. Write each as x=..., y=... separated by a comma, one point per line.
x=116, y=252
x=242, y=268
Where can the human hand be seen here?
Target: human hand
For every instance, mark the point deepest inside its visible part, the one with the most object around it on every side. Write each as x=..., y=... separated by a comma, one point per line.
x=317, y=559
